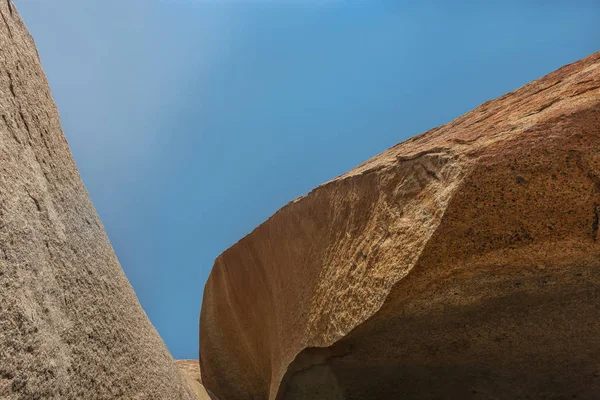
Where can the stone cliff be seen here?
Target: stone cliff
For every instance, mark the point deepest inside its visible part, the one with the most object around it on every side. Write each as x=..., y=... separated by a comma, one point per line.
x=71, y=326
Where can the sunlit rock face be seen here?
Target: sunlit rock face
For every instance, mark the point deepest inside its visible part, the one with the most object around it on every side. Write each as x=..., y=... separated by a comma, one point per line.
x=71, y=326
x=460, y=264
x=190, y=369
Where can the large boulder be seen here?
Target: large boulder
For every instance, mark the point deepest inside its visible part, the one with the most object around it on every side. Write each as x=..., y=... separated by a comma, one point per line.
x=460, y=264
x=71, y=326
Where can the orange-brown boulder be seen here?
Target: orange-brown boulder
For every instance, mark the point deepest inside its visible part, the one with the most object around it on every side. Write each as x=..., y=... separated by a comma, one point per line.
x=460, y=264
x=71, y=326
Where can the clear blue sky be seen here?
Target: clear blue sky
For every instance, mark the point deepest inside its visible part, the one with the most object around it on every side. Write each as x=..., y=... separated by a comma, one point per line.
x=192, y=121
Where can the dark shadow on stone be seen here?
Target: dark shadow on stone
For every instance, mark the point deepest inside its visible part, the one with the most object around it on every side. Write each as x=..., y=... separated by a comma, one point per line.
x=535, y=338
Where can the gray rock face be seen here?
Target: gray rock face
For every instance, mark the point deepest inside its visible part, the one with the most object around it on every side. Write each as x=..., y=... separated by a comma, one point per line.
x=71, y=326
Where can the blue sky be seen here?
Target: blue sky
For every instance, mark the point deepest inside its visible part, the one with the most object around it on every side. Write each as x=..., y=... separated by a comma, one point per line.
x=192, y=121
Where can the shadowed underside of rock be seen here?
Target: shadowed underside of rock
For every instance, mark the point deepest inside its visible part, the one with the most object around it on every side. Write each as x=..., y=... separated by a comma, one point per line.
x=71, y=326
x=460, y=264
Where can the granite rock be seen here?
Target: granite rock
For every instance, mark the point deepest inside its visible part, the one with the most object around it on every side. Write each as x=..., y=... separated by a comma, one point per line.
x=71, y=326
x=462, y=263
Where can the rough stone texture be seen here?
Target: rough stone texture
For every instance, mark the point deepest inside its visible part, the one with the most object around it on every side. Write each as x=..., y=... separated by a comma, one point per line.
x=71, y=326
x=460, y=264
x=191, y=370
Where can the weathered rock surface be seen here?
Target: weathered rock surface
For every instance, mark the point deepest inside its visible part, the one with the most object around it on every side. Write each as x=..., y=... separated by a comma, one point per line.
x=460, y=264
x=71, y=326
x=191, y=370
